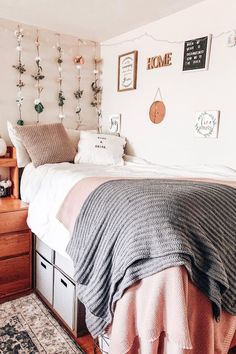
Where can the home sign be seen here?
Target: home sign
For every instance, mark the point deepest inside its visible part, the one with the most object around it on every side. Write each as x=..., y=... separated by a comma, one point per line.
x=159, y=61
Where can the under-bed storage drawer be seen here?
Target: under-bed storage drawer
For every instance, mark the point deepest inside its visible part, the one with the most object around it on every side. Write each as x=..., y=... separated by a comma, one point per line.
x=44, y=250
x=64, y=298
x=65, y=264
x=44, y=277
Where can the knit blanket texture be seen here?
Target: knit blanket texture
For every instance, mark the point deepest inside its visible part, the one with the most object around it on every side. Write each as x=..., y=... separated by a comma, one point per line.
x=130, y=229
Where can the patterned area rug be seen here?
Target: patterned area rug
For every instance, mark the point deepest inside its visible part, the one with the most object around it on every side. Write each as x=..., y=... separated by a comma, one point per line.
x=27, y=327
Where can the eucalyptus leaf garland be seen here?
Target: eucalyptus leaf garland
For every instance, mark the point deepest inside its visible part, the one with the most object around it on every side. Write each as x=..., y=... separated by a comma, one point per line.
x=61, y=96
x=97, y=90
x=21, y=70
x=78, y=61
x=38, y=76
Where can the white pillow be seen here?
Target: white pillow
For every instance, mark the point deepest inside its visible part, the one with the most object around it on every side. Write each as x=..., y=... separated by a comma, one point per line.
x=74, y=135
x=22, y=155
x=100, y=149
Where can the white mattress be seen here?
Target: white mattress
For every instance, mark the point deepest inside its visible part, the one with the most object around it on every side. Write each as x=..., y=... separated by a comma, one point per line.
x=45, y=188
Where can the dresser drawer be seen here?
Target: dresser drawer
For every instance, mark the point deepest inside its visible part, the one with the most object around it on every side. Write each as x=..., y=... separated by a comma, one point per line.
x=13, y=221
x=44, y=277
x=64, y=298
x=15, y=275
x=15, y=244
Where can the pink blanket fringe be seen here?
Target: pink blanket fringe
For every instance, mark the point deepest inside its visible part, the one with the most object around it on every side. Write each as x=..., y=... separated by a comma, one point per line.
x=166, y=314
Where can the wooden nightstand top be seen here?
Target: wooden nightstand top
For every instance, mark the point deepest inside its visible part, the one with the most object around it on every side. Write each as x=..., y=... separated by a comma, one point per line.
x=10, y=204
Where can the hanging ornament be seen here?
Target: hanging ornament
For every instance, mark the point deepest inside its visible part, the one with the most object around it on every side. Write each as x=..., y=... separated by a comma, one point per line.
x=157, y=110
x=61, y=97
x=38, y=106
x=78, y=61
x=21, y=70
x=97, y=89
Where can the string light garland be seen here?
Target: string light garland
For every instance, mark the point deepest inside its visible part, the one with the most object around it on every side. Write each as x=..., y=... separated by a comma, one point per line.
x=38, y=106
x=96, y=88
x=78, y=61
x=61, y=97
x=21, y=70
x=151, y=36
x=28, y=33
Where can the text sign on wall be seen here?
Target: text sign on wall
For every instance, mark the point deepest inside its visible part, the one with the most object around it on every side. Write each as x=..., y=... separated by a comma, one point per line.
x=159, y=61
x=196, y=53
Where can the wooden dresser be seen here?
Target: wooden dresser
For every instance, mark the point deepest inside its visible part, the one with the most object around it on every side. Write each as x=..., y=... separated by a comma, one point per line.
x=15, y=249
x=15, y=238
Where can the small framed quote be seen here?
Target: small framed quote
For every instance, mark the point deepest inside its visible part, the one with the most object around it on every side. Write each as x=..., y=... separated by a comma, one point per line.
x=197, y=54
x=206, y=124
x=127, y=71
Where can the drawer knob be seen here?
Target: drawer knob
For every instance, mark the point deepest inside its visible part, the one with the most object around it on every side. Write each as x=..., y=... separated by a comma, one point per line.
x=43, y=265
x=64, y=283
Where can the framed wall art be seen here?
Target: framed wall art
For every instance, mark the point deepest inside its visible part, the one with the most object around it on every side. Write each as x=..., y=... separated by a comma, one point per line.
x=127, y=71
x=206, y=124
x=197, y=54
x=115, y=123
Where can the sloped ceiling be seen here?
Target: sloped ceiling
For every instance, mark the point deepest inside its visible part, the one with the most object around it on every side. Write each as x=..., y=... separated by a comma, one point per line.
x=92, y=19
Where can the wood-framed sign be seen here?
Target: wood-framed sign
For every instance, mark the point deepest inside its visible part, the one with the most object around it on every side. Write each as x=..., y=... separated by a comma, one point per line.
x=197, y=53
x=127, y=71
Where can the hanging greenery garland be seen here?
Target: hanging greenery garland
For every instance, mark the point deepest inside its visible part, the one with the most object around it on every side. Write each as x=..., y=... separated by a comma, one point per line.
x=97, y=89
x=21, y=70
x=38, y=106
x=61, y=97
x=78, y=60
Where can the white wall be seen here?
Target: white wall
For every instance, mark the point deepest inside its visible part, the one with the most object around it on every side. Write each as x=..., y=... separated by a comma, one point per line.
x=172, y=141
x=48, y=54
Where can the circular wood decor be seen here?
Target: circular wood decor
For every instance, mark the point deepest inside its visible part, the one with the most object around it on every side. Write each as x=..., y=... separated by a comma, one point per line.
x=157, y=112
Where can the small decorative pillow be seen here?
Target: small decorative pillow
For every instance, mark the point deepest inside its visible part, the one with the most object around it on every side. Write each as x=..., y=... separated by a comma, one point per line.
x=74, y=135
x=48, y=143
x=22, y=155
x=100, y=149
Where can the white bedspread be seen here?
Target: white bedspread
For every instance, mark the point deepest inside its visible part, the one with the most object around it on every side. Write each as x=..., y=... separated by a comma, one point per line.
x=45, y=188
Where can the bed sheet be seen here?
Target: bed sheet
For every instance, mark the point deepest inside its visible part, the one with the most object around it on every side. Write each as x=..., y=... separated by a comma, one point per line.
x=46, y=187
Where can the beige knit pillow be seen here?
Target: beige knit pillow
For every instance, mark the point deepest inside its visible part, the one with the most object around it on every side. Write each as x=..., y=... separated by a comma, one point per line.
x=48, y=143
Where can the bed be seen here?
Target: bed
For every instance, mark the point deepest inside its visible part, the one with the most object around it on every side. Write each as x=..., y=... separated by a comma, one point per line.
x=46, y=188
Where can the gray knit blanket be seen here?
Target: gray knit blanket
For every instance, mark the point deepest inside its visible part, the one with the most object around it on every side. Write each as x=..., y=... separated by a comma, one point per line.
x=131, y=229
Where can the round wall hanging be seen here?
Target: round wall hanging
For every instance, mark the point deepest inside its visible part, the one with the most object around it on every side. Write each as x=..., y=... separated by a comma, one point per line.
x=157, y=112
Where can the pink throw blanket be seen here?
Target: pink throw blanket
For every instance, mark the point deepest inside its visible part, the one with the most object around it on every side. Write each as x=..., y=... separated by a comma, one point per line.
x=166, y=314
x=75, y=199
